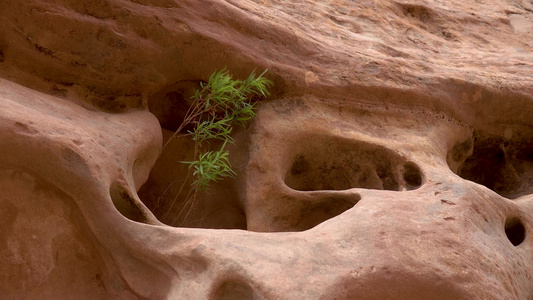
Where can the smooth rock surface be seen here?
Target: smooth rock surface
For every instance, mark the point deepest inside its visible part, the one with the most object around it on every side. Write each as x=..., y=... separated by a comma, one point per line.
x=394, y=159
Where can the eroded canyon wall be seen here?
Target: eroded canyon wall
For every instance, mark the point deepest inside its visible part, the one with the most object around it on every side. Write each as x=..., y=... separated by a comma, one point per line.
x=393, y=160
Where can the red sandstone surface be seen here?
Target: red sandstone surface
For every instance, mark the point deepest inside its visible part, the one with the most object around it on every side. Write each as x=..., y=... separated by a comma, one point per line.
x=393, y=160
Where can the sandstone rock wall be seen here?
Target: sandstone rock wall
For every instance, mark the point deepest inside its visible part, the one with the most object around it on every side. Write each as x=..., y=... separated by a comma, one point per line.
x=392, y=161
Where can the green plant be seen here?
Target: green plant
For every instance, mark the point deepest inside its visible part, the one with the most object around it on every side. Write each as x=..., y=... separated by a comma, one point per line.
x=211, y=166
x=217, y=106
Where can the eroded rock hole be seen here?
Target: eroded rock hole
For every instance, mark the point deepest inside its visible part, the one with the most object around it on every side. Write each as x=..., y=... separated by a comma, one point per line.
x=168, y=192
x=515, y=231
x=331, y=164
x=412, y=176
x=126, y=204
x=171, y=104
x=233, y=289
x=502, y=165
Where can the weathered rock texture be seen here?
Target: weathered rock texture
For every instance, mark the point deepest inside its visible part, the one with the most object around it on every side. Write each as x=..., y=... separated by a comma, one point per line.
x=394, y=159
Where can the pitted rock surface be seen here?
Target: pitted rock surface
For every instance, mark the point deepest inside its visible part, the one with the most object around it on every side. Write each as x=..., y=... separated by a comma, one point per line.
x=393, y=160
